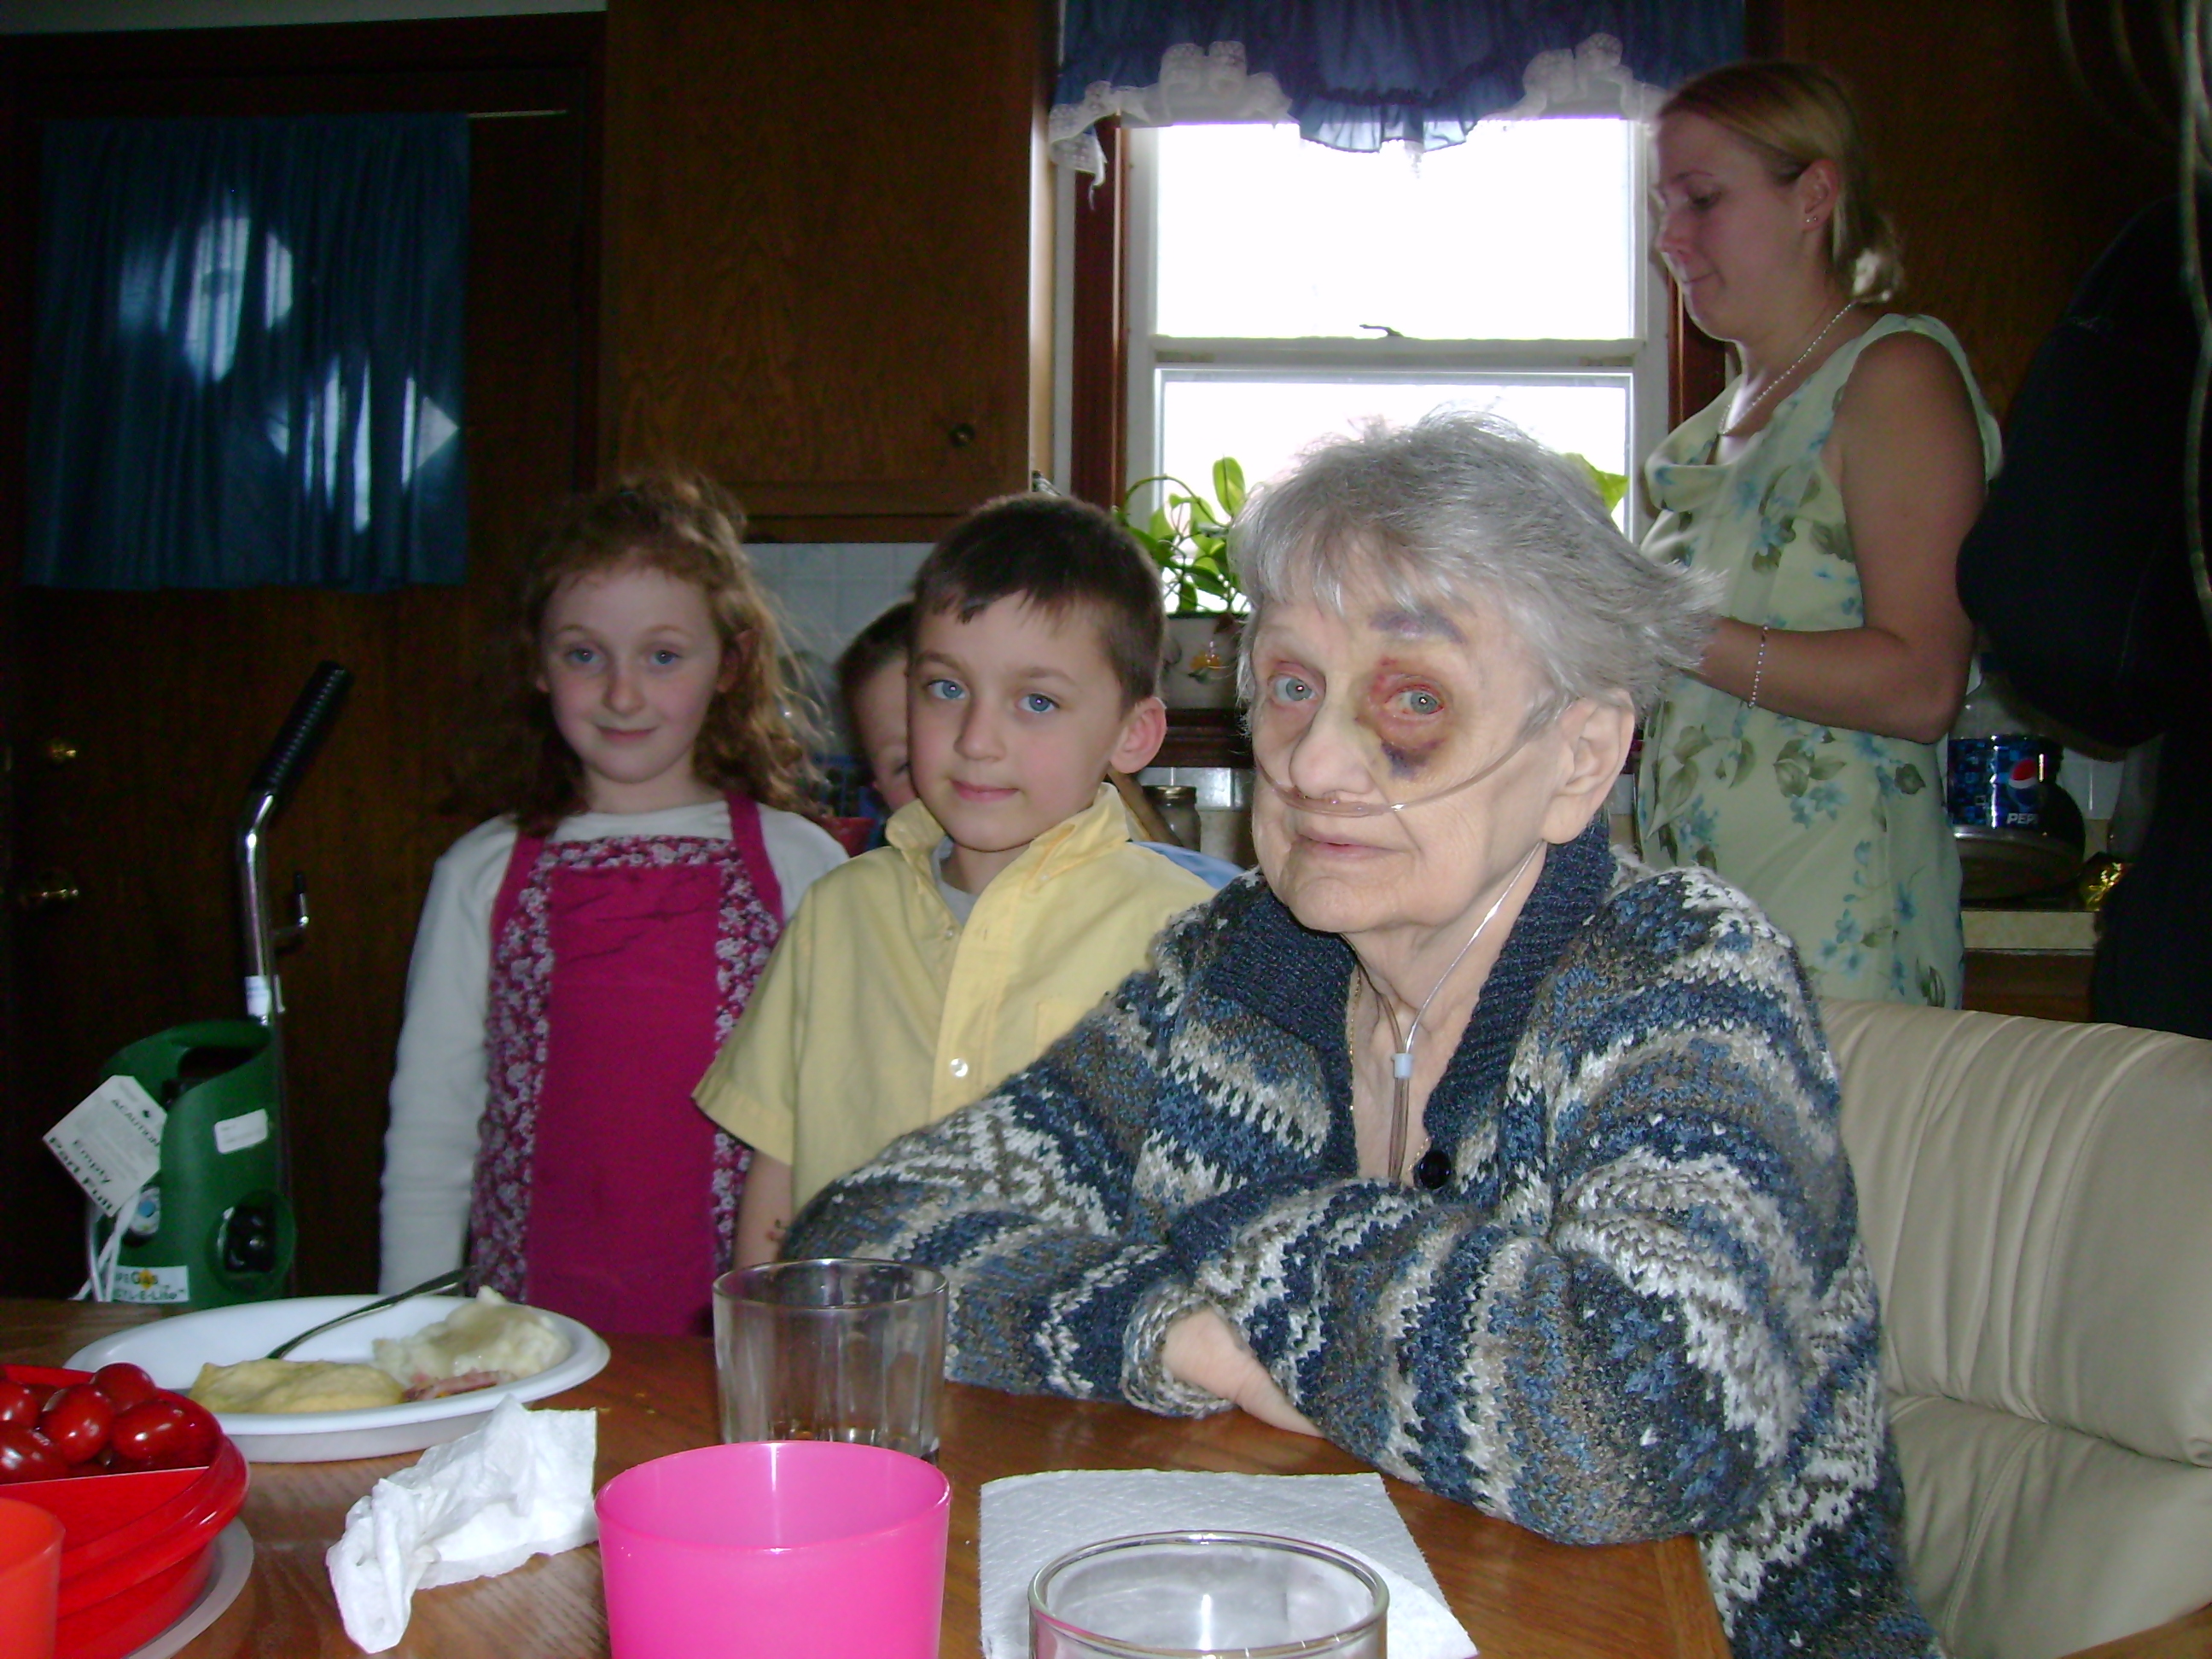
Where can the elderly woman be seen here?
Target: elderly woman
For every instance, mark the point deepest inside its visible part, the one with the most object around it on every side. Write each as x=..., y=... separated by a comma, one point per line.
x=1509, y=1169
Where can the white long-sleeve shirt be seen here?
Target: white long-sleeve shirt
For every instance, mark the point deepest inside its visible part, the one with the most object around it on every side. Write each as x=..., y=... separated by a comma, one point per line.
x=440, y=1084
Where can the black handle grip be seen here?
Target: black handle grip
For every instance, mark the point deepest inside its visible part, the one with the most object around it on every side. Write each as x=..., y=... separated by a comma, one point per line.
x=311, y=716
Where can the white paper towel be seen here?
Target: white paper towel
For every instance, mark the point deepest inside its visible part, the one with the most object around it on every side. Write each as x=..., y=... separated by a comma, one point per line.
x=473, y=1508
x=1028, y=1520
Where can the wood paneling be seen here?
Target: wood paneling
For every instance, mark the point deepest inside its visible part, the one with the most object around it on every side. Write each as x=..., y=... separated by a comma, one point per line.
x=821, y=242
x=173, y=697
x=2049, y=985
x=1697, y=364
x=2004, y=180
x=1098, y=443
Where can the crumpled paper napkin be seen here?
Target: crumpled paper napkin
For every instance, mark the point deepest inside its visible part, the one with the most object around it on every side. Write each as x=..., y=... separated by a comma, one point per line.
x=474, y=1508
x=1029, y=1520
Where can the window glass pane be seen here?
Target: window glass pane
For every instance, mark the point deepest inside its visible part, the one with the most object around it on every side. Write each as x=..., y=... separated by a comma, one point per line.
x=1524, y=232
x=1265, y=419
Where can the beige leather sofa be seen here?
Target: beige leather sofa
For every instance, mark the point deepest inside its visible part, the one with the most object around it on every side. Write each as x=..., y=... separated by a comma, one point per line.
x=2037, y=1201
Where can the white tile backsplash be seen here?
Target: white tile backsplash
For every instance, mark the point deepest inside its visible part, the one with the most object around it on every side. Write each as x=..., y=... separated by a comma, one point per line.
x=2095, y=784
x=829, y=591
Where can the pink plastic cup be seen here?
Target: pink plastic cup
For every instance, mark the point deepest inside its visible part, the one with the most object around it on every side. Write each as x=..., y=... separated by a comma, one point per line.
x=775, y=1549
x=30, y=1579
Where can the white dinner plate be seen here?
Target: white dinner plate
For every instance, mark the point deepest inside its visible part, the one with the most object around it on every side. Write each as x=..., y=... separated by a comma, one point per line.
x=173, y=1351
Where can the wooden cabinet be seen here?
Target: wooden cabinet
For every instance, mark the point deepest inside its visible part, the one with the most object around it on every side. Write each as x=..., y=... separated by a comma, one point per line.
x=2046, y=985
x=2004, y=181
x=824, y=224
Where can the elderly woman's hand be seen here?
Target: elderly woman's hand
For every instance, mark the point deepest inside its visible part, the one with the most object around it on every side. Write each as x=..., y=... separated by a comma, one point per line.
x=1204, y=1350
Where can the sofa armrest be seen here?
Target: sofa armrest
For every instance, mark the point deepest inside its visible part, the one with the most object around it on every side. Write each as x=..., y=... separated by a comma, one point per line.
x=2037, y=1201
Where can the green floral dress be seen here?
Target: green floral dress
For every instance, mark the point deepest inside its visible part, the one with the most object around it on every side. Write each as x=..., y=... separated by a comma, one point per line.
x=1841, y=835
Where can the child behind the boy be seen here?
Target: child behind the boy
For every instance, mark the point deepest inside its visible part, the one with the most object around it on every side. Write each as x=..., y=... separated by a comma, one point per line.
x=872, y=685
x=1011, y=898
x=582, y=954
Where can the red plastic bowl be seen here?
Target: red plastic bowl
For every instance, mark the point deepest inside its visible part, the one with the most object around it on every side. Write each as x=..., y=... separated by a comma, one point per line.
x=137, y=1547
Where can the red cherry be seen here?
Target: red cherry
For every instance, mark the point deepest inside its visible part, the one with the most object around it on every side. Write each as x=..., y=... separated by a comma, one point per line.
x=77, y=1421
x=124, y=1384
x=20, y=1404
x=201, y=1431
x=26, y=1455
x=155, y=1428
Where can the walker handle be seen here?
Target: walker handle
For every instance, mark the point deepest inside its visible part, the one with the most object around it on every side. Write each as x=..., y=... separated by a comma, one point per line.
x=311, y=716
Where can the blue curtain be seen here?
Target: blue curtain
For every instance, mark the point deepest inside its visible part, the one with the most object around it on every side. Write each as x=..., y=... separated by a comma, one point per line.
x=249, y=355
x=1363, y=73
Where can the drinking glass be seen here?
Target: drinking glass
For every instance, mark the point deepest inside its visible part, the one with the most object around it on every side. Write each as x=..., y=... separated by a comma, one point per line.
x=833, y=1350
x=1207, y=1595
x=776, y=1549
x=30, y=1579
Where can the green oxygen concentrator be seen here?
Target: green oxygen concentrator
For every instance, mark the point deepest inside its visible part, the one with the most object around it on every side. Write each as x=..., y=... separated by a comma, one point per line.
x=214, y=1226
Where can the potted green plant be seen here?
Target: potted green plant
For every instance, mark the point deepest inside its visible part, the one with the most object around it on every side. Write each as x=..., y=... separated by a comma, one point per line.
x=1187, y=536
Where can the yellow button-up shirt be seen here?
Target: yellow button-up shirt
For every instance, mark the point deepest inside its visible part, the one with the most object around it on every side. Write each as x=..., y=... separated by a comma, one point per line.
x=878, y=1014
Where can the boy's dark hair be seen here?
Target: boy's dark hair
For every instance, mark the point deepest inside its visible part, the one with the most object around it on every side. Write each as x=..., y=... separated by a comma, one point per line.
x=883, y=641
x=1060, y=554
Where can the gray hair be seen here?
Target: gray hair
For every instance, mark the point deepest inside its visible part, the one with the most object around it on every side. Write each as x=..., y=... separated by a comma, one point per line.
x=1465, y=509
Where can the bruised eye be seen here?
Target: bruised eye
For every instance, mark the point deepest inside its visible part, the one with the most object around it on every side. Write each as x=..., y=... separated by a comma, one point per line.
x=944, y=690
x=1291, y=688
x=1417, y=702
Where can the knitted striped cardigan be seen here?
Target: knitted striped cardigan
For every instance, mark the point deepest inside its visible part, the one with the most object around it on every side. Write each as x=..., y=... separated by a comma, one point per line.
x=1637, y=1307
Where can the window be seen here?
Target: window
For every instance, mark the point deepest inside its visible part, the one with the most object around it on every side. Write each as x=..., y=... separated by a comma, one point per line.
x=1278, y=290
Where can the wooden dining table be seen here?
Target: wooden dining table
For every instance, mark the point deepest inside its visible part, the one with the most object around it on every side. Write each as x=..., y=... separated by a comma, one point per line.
x=1519, y=1596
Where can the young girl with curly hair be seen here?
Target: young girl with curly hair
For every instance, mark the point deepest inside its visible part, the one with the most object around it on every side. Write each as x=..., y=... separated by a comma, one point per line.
x=583, y=953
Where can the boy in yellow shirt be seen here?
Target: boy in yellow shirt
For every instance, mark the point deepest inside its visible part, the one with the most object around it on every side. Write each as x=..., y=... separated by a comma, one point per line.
x=1010, y=899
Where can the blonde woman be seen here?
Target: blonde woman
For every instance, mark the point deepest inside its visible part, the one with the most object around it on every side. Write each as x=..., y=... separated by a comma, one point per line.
x=1828, y=488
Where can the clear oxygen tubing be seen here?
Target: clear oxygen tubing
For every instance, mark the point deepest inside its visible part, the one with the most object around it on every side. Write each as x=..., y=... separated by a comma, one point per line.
x=1401, y=1062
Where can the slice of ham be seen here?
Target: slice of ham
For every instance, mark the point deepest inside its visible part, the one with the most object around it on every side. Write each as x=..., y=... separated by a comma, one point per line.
x=466, y=1383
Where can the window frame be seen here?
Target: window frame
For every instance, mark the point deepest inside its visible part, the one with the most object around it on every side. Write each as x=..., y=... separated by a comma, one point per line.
x=1092, y=337
x=1150, y=359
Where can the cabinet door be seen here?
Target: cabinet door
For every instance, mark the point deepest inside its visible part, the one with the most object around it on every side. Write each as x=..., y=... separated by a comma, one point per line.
x=819, y=248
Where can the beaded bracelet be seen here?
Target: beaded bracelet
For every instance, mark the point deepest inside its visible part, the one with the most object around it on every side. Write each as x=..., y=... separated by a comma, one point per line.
x=1759, y=667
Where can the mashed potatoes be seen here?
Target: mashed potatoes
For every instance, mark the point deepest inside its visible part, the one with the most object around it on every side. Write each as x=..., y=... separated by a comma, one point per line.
x=294, y=1385
x=479, y=1345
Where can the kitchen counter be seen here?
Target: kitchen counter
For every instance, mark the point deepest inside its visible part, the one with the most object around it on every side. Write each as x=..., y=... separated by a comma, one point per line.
x=2071, y=931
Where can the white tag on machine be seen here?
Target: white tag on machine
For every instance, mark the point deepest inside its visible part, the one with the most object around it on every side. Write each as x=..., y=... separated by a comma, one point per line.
x=235, y=1134
x=111, y=1142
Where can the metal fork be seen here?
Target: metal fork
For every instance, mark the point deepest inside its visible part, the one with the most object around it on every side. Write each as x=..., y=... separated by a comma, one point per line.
x=445, y=1281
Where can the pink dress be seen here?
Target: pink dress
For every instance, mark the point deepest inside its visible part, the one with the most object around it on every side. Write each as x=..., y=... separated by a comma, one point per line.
x=618, y=966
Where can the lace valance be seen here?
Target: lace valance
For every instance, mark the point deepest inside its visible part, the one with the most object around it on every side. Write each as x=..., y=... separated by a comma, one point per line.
x=1359, y=74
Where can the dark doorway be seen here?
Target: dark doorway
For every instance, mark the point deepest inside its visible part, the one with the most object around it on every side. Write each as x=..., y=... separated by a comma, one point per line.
x=133, y=722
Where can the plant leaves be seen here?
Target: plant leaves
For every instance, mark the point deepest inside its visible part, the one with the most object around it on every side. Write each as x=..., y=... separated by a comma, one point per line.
x=1228, y=485
x=1187, y=539
x=1610, y=486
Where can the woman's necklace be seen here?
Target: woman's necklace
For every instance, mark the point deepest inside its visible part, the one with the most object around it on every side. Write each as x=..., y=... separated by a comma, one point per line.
x=1401, y=1062
x=1735, y=428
